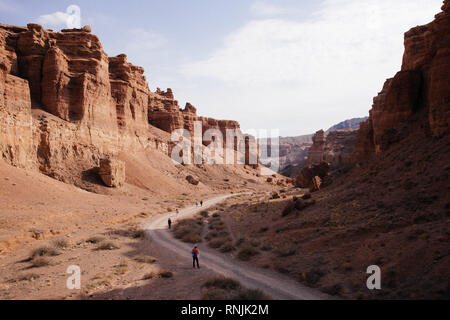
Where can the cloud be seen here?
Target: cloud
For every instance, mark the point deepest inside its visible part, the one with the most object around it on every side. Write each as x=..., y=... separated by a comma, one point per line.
x=143, y=42
x=69, y=19
x=261, y=8
x=317, y=71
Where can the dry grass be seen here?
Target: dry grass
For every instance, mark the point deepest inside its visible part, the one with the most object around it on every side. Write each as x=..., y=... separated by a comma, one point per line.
x=95, y=239
x=222, y=283
x=108, y=245
x=25, y=277
x=189, y=230
x=44, y=251
x=62, y=244
x=228, y=289
x=121, y=268
x=149, y=276
x=145, y=259
x=251, y=295
x=246, y=253
x=39, y=262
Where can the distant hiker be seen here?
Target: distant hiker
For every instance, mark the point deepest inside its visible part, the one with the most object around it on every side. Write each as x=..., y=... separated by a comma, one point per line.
x=178, y=211
x=195, y=254
x=170, y=223
x=201, y=203
x=196, y=203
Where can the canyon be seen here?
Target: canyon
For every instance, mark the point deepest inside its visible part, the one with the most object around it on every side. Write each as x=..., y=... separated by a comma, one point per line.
x=85, y=151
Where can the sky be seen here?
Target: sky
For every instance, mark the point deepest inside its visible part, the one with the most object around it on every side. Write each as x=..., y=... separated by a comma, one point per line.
x=293, y=65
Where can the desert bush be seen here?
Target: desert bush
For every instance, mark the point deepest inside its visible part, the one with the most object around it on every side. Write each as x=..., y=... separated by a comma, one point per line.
x=204, y=214
x=217, y=243
x=227, y=247
x=107, y=245
x=39, y=262
x=212, y=235
x=191, y=238
x=145, y=259
x=44, y=251
x=138, y=234
x=222, y=283
x=246, y=253
x=149, y=276
x=189, y=230
x=165, y=274
x=61, y=244
x=266, y=247
x=213, y=294
x=25, y=277
x=95, y=239
x=314, y=276
x=252, y=295
x=286, y=251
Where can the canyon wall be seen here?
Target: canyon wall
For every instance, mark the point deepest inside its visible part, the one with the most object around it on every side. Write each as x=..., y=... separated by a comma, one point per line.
x=421, y=88
x=65, y=105
x=335, y=148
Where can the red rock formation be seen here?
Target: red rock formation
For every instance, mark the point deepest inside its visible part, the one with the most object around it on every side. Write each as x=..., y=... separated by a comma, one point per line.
x=422, y=86
x=336, y=148
x=307, y=177
x=65, y=105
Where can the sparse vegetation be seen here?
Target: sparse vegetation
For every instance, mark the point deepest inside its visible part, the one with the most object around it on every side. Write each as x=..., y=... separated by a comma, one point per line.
x=246, y=253
x=229, y=289
x=165, y=274
x=95, y=239
x=107, y=245
x=39, y=262
x=25, y=277
x=145, y=259
x=44, y=251
x=189, y=230
x=62, y=244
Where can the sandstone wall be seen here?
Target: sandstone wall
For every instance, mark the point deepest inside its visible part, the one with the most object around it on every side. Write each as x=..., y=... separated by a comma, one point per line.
x=422, y=86
x=65, y=105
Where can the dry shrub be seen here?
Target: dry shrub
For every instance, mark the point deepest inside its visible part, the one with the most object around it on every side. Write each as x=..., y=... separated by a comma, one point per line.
x=286, y=250
x=145, y=259
x=61, y=244
x=95, y=239
x=251, y=295
x=219, y=242
x=227, y=247
x=44, y=251
x=39, y=262
x=25, y=277
x=189, y=230
x=246, y=253
x=165, y=274
x=222, y=283
x=149, y=276
x=107, y=245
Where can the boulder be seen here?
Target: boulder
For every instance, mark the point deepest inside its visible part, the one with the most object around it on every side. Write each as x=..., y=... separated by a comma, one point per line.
x=112, y=172
x=315, y=185
x=192, y=180
x=306, y=176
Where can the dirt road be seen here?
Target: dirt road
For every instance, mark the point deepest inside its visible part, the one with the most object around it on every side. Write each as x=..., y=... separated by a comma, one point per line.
x=277, y=286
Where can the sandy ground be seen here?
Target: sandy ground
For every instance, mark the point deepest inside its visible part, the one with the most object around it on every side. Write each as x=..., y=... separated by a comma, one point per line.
x=37, y=211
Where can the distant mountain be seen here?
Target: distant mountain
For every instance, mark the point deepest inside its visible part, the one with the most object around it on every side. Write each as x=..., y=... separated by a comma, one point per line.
x=348, y=124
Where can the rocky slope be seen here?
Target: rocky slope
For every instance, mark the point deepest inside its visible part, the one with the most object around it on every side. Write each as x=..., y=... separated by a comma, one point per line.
x=65, y=105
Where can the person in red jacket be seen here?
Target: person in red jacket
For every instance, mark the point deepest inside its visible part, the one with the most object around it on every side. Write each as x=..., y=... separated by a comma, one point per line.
x=195, y=254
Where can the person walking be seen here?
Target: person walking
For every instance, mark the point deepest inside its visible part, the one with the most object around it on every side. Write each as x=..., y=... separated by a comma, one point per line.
x=195, y=255
x=201, y=203
x=196, y=203
x=170, y=223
